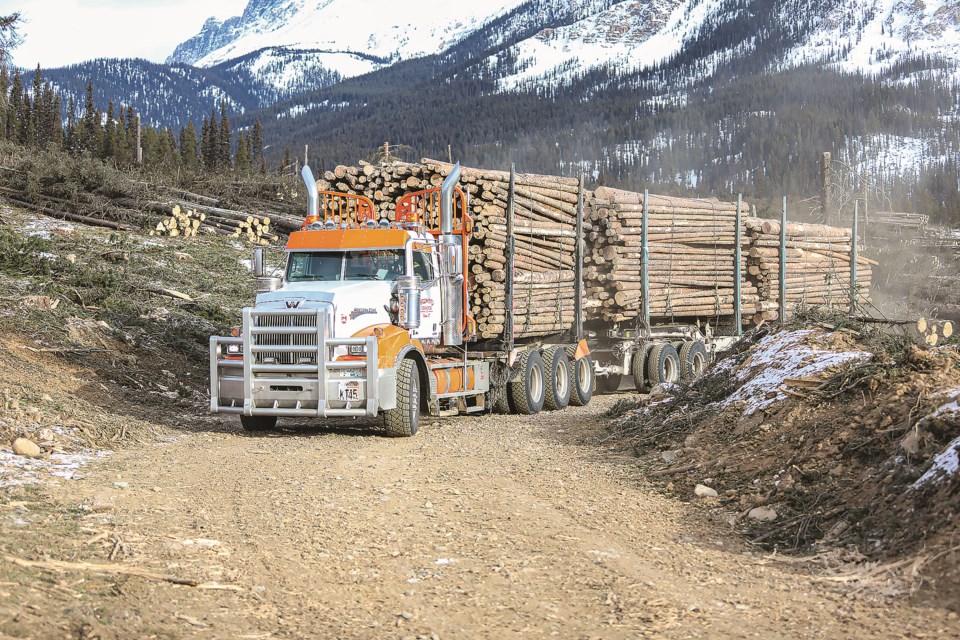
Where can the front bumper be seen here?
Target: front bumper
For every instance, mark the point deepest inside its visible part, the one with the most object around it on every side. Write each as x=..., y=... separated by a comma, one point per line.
x=289, y=370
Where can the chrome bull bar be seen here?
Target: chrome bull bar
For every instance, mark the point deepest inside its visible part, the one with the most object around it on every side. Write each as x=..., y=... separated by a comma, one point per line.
x=288, y=369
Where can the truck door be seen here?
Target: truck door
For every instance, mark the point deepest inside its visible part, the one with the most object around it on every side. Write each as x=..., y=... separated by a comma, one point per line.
x=431, y=314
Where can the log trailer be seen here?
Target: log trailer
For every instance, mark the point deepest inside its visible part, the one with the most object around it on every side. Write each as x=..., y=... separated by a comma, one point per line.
x=371, y=317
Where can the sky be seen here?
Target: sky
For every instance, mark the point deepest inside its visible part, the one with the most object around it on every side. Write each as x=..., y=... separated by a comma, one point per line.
x=148, y=29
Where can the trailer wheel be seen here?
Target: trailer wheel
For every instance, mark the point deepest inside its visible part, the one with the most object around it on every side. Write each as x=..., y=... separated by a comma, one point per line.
x=258, y=423
x=610, y=383
x=529, y=389
x=638, y=367
x=693, y=360
x=404, y=420
x=558, y=379
x=582, y=377
x=663, y=365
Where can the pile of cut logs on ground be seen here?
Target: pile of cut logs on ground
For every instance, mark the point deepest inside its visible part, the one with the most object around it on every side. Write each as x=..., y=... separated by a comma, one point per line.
x=189, y=219
x=818, y=267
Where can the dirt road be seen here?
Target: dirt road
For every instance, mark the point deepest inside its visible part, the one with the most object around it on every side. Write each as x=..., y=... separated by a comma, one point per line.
x=488, y=527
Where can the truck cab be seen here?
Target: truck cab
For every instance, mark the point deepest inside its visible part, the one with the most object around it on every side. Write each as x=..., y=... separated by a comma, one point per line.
x=369, y=316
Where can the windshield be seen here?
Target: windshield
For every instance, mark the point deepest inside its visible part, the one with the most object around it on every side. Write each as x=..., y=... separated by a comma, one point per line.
x=326, y=266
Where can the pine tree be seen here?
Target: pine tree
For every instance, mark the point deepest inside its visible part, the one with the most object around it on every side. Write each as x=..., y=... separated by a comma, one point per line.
x=14, y=108
x=34, y=134
x=242, y=158
x=188, y=147
x=4, y=85
x=91, y=131
x=257, y=142
x=56, y=122
x=70, y=135
x=108, y=149
x=224, y=141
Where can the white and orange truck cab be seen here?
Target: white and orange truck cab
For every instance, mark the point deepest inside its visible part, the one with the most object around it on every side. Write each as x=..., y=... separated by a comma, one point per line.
x=368, y=317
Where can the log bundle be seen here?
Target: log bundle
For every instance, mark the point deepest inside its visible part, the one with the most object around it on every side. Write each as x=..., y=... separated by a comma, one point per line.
x=691, y=247
x=691, y=251
x=818, y=267
x=545, y=209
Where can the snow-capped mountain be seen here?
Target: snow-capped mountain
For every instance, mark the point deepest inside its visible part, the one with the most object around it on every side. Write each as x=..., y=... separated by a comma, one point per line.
x=354, y=36
x=282, y=42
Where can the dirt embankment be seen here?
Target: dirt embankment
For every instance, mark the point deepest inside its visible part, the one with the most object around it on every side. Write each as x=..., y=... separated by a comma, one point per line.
x=838, y=443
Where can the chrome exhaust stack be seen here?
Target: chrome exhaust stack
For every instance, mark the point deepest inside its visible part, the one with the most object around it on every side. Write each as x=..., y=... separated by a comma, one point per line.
x=452, y=287
x=313, y=195
x=446, y=201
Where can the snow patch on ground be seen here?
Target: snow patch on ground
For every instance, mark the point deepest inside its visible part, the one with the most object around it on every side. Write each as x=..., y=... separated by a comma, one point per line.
x=17, y=470
x=780, y=357
x=947, y=463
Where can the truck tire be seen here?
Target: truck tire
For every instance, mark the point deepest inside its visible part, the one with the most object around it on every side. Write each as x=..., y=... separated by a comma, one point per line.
x=258, y=423
x=663, y=364
x=529, y=388
x=502, y=402
x=558, y=379
x=610, y=383
x=404, y=420
x=638, y=367
x=583, y=379
x=693, y=360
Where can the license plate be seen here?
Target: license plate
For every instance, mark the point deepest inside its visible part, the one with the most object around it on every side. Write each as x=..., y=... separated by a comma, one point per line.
x=350, y=391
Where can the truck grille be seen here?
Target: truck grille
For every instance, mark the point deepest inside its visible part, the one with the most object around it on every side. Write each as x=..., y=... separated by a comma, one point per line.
x=308, y=342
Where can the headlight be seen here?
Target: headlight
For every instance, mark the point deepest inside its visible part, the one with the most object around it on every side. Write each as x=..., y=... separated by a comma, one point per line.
x=233, y=349
x=357, y=350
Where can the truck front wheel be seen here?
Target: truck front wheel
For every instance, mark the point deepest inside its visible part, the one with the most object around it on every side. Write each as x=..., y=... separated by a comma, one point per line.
x=404, y=420
x=258, y=423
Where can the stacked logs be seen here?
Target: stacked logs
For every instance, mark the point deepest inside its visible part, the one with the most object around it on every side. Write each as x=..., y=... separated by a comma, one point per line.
x=180, y=223
x=691, y=246
x=691, y=251
x=545, y=209
x=818, y=273
x=188, y=220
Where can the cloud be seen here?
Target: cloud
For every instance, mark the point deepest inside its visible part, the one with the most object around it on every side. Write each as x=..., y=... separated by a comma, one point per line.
x=62, y=32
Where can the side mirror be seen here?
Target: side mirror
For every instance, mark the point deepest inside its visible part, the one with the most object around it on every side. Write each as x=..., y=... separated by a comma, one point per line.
x=258, y=265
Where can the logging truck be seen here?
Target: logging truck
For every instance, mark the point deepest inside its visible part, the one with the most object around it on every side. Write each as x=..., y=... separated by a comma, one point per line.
x=370, y=316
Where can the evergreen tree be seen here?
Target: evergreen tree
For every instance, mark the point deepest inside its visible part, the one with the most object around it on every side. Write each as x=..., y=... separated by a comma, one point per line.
x=90, y=130
x=14, y=108
x=56, y=122
x=188, y=147
x=70, y=135
x=34, y=135
x=4, y=86
x=257, y=142
x=109, y=148
x=224, y=140
x=242, y=158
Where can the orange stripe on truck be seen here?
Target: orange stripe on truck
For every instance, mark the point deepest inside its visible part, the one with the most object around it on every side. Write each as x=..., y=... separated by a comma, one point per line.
x=347, y=240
